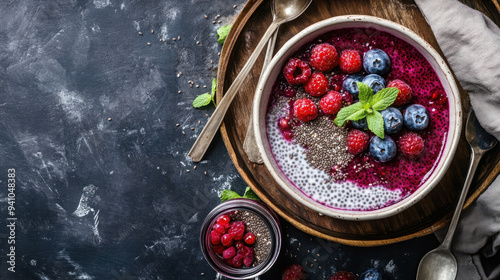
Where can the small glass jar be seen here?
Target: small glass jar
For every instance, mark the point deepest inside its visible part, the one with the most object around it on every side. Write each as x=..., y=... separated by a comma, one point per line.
x=227, y=208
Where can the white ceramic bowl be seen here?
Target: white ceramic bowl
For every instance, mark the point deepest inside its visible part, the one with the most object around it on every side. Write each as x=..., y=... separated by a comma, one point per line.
x=271, y=73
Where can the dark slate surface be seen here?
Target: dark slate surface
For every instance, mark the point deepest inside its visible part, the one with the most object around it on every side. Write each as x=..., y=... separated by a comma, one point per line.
x=88, y=115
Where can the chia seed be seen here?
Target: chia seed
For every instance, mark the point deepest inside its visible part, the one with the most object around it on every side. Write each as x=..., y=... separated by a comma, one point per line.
x=256, y=225
x=326, y=143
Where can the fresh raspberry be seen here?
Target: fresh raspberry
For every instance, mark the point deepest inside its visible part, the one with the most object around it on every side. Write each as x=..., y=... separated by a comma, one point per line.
x=220, y=228
x=293, y=272
x=219, y=249
x=215, y=237
x=411, y=145
x=237, y=230
x=249, y=238
x=305, y=109
x=331, y=103
x=296, y=72
x=404, y=94
x=343, y=275
x=324, y=57
x=223, y=220
x=226, y=240
x=357, y=141
x=317, y=85
x=350, y=61
x=229, y=253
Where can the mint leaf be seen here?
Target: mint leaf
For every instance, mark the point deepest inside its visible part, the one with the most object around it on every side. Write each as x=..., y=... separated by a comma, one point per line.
x=375, y=123
x=214, y=89
x=365, y=94
x=214, y=86
x=227, y=195
x=202, y=100
x=353, y=112
x=222, y=33
x=384, y=98
x=250, y=194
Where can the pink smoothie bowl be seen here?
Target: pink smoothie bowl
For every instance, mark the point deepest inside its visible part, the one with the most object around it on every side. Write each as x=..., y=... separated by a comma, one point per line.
x=270, y=75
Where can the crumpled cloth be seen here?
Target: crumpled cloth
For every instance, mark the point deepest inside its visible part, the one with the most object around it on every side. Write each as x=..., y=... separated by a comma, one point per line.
x=471, y=43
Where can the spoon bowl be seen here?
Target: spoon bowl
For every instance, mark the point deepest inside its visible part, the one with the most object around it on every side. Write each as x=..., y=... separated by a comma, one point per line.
x=439, y=257
x=289, y=9
x=440, y=264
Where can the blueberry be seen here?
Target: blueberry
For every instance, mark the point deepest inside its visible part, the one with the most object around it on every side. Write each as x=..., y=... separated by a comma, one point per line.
x=376, y=61
x=375, y=82
x=372, y=274
x=416, y=117
x=383, y=150
x=351, y=86
x=393, y=120
x=360, y=124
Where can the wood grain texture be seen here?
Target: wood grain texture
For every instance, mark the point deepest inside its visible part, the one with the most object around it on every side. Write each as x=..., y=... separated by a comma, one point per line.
x=423, y=218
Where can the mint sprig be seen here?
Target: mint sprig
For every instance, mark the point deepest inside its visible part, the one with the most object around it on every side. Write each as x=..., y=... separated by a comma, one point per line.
x=205, y=98
x=228, y=194
x=369, y=107
x=222, y=33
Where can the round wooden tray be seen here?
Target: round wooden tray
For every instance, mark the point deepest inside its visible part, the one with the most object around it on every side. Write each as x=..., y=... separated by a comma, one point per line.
x=425, y=217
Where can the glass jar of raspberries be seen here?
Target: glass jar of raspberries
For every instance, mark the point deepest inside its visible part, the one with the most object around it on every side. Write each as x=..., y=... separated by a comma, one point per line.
x=241, y=238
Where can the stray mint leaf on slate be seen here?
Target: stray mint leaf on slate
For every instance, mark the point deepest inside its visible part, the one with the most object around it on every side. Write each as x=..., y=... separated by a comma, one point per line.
x=384, y=98
x=227, y=195
x=250, y=194
x=214, y=89
x=202, y=100
x=375, y=123
x=214, y=86
x=222, y=33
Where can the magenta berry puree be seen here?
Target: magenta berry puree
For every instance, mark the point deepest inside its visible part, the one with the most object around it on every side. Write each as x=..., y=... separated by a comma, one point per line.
x=358, y=182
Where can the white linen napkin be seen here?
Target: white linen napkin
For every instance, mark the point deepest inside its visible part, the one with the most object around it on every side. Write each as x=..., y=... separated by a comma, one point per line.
x=471, y=43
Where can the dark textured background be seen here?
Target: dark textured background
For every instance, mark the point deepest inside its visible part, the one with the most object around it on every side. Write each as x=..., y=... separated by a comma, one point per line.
x=113, y=199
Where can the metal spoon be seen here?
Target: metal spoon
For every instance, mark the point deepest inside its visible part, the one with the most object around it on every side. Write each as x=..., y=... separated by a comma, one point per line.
x=440, y=264
x=286, y=10
x=250, y=144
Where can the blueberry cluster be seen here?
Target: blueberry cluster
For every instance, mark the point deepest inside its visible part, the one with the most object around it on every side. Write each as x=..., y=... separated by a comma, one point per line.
x=416, y=118
x=376, y=62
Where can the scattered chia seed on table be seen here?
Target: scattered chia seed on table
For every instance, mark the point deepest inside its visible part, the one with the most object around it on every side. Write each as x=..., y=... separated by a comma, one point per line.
x=255, y=224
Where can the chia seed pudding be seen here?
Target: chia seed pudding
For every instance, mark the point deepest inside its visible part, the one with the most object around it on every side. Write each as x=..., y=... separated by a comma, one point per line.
x=313, y=154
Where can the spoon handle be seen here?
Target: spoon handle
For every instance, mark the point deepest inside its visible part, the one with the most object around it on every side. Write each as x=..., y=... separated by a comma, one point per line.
x=201, y=144
x=475, y=158
x=250, y=144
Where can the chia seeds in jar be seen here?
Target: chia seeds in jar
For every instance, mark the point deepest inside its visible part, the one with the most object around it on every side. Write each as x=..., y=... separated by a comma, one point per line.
x=263, y=239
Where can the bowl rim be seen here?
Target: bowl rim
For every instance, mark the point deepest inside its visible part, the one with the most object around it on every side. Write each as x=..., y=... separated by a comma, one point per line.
x=453, y=134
